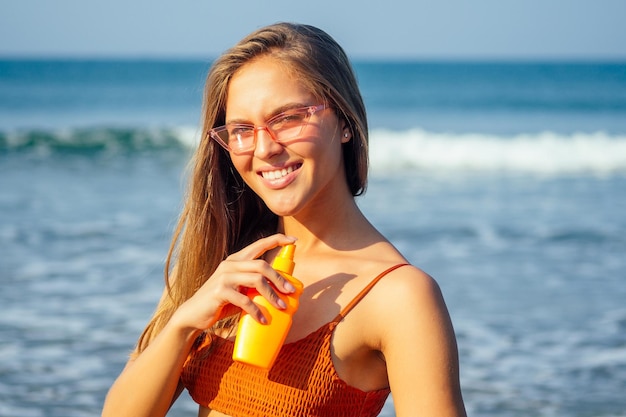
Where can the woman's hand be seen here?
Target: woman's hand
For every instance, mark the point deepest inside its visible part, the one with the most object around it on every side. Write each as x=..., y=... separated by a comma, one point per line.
x=226, y=286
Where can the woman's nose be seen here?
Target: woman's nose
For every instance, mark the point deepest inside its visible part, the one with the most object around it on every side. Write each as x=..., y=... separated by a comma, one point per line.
x=265, y=143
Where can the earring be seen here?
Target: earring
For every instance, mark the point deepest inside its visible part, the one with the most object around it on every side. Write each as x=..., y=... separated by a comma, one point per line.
x=345, y=135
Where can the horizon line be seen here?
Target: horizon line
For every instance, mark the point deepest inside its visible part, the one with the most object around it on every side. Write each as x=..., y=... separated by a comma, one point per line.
x=354, y=57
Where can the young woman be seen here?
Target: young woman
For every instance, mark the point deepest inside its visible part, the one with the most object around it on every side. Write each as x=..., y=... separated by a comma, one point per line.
x=283, y=154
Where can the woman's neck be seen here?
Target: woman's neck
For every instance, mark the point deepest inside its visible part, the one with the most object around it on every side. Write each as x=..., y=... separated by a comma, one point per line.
x=342, y=228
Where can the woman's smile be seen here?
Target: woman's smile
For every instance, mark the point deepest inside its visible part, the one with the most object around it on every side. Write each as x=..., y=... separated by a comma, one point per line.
x=279, y=177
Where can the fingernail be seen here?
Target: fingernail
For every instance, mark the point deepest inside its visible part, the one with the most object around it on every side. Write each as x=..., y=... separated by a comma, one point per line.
x=281, y=303
x=263, y=320
x=292, y=238
x=289, y=286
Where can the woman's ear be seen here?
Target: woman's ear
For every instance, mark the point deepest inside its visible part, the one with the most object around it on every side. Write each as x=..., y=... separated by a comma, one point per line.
x=346, y=133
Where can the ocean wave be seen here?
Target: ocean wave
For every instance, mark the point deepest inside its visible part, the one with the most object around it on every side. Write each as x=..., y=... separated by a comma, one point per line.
x=96, y=140
x=390, y=151
x=542, y=153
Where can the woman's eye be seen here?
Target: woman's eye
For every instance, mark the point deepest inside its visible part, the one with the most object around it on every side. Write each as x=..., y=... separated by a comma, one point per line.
x=241, y=131
x=288, y=118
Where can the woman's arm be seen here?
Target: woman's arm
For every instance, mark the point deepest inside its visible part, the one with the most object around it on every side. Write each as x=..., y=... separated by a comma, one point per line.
x=150, y=382
x=420, y=348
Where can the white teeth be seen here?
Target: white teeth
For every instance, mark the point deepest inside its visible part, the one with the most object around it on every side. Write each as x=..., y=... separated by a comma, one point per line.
x=279, y=173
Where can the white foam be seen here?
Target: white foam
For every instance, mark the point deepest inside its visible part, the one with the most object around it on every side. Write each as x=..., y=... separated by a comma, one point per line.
x=543, y=153
x=188, y=136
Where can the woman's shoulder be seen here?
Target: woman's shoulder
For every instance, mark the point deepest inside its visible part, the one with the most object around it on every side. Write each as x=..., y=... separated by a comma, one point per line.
x=400, y=278
x=406, y=284
x=405, y=304
x=405, y=293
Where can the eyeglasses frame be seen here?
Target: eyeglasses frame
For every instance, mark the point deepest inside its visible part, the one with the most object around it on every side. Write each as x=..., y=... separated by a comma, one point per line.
x=214, y=132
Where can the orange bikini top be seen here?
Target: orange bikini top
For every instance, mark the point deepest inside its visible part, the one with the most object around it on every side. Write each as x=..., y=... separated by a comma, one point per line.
x=302, y=382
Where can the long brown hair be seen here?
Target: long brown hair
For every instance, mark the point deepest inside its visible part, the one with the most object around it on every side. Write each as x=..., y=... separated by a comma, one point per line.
x=221, y=213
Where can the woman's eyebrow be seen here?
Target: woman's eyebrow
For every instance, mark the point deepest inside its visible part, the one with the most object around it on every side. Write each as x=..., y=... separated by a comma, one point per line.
x=275, y=112
x=284, y=108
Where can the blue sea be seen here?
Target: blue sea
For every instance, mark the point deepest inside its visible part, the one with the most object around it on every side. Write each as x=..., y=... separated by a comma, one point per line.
x=506, y=181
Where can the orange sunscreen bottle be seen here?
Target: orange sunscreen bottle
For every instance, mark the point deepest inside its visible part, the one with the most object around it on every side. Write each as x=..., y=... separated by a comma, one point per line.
x=258, y=344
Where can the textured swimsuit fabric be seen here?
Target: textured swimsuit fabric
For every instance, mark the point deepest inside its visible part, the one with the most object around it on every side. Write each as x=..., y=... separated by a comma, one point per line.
x=302, y=382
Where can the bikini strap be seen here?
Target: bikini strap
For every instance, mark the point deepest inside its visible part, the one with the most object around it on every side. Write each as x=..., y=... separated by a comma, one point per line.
x=364, y=292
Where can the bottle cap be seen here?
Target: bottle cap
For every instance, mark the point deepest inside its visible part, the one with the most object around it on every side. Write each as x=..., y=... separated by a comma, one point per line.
x=284, y=260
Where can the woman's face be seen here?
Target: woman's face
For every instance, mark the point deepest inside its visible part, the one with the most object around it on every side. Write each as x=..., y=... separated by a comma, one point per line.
x=301, y=174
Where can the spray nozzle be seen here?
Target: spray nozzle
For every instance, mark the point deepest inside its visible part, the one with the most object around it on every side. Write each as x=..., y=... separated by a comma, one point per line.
x=284, y=260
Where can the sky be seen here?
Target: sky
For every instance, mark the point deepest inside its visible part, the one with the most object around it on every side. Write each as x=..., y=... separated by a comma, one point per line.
x=381, y=29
